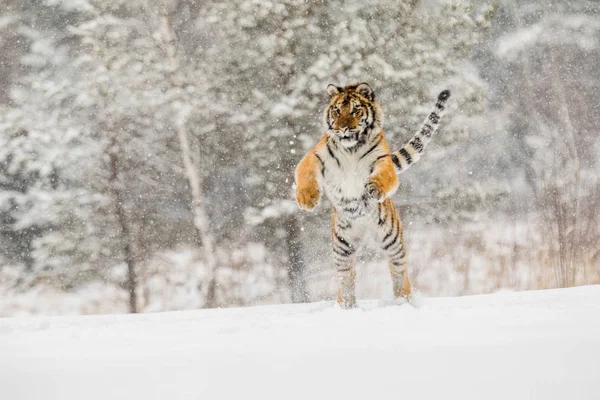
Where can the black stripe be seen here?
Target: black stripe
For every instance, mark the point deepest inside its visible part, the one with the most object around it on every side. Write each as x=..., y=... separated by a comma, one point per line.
x=391, y=230
x=427, y=130
x=434, y=117
x=396, y=161
x=391, y=243
x=329, y=119
x=417, y=144
x=406, y=156
x=387, y=236
x=444, y=95
x=342, y=252
x=343, y=241
x=398, y=233
x=371, y=115
x=322, y=164
x=396, y=263
x=347, y=200
x=399, y=252
x=371, y=149
x=333, y=155
x=383, y=156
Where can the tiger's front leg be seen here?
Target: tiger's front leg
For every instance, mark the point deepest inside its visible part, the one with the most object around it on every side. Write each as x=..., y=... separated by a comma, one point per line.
x=344, y=255
x=383, y=182
x=308, y=192
x=307, y=189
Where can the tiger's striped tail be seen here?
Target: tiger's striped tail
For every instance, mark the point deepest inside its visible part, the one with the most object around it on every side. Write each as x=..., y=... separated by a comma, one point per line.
x=411, y=152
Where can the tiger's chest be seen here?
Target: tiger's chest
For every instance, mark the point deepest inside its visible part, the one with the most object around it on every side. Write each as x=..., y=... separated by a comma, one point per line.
x=345, y=176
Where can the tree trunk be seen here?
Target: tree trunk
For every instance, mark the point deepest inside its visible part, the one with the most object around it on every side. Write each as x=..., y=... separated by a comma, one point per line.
x=200, y=218
x=201, y=222
x=296, y=263
x=572, y=171
x=142, y=267
x=117, y=195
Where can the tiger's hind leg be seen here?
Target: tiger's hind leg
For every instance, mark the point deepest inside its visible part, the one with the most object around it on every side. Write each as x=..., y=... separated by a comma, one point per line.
x=346, y=274
x=344, y=255
x=393, y=245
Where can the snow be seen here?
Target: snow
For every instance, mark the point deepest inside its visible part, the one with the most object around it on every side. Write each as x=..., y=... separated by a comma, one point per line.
x=571, y=30
x=522, y=345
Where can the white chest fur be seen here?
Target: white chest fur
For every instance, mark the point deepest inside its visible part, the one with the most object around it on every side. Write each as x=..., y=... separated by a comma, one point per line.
x=347, y=172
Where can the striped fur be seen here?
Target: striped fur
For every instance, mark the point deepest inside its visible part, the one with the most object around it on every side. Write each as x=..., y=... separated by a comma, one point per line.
x=353, y=166
x=411, y=152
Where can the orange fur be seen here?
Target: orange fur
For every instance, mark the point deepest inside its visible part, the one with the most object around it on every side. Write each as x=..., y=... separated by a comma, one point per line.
x=384, y=178
x=308, y=193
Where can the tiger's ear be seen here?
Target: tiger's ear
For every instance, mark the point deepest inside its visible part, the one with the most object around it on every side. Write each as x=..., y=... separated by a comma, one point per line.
x=332, y=90
x=365, y=90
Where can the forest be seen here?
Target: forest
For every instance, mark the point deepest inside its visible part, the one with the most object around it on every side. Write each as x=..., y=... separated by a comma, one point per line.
x=147, y=148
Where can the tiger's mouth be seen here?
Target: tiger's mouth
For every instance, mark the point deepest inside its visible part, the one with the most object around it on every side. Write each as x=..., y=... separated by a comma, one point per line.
x=349, y=134
x=350, y=139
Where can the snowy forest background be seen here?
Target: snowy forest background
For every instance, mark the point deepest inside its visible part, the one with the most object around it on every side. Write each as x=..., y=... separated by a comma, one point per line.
x=147, y=148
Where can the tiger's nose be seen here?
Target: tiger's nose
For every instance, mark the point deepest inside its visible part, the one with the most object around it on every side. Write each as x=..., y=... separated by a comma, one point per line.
x=343, y=128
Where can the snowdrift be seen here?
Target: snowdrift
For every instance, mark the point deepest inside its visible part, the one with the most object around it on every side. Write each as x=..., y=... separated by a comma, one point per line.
x=527, y=345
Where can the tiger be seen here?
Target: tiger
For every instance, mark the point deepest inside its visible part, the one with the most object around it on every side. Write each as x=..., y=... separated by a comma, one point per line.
x=353, y=166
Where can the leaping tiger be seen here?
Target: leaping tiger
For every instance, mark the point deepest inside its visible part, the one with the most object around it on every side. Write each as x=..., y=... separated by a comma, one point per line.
x=353, y=165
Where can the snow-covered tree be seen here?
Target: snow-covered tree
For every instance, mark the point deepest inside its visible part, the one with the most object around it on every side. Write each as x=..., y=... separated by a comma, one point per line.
x=40, y=143
x=95, y=157
x=549, y=108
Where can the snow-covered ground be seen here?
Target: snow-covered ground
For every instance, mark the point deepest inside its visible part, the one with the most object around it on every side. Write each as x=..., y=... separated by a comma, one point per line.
x=527, y=345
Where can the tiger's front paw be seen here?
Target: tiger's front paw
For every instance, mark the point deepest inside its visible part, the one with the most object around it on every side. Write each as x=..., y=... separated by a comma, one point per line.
x=375, y=190
x=307, y=197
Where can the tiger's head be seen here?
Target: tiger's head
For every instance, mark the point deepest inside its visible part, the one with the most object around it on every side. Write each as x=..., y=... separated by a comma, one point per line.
x=352, y=113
